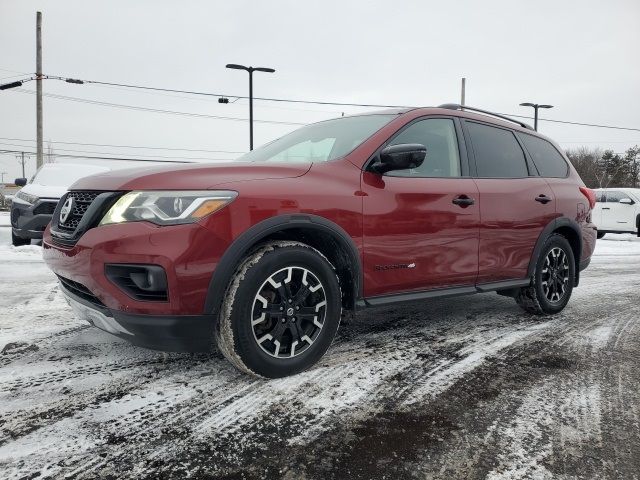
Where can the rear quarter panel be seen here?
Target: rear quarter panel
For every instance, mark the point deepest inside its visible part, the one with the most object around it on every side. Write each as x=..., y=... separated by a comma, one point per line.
x=571, y=203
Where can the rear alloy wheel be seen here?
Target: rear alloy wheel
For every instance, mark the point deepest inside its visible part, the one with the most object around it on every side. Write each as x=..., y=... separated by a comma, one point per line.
x=553, y=279
x=281, y=311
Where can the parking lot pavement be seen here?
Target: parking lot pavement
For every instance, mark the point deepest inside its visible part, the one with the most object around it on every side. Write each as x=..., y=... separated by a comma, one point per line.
x=460, y=388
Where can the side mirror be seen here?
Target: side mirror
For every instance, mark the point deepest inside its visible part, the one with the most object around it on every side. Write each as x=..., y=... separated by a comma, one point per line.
x=626, y=201
x=400, y=157
x=21, y=182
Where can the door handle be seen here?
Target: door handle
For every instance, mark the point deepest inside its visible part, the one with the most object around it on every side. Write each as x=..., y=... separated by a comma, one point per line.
x=463, y=201
x=542, y=198
x=606, y=208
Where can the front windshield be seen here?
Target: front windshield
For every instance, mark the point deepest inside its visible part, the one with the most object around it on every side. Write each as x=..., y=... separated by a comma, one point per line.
x=320, y=142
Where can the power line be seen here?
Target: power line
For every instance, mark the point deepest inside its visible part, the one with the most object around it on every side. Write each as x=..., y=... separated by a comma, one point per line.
x=319, y=102
x=100, y=158
x=111, y=153
x=213, y=98
x=285, y=100
x=148, y=109
x=211, y=94
x=126, y=146
x=574, y=123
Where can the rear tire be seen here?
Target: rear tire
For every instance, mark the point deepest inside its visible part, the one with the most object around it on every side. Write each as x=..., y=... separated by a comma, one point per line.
x=19, y=241
x=553, y=279
x=600, y=235
x=281, y=310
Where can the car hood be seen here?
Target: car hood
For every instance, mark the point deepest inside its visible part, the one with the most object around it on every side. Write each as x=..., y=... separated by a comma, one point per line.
x=44, y=191
x=189, y=177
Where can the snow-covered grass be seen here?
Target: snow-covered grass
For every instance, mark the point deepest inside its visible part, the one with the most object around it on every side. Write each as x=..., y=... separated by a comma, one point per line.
x=5, y=219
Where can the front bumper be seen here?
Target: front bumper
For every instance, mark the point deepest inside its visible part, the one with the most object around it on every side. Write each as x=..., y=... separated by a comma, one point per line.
x=30, y=221
x=185, y=333
x=187, y=253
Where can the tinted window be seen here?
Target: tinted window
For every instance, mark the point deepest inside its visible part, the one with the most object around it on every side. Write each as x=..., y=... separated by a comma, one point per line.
x=600, y=196
x=547, y=159
x=439, y=136
x=498, y=153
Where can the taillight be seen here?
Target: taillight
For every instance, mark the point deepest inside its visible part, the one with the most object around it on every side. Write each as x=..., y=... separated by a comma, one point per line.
x=591, y=196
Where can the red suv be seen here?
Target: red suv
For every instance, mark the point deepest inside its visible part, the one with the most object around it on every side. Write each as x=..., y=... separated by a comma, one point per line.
x=262, y=256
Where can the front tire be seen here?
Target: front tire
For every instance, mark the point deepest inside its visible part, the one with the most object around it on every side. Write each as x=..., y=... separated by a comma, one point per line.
x=281, y=310
x=553, y=279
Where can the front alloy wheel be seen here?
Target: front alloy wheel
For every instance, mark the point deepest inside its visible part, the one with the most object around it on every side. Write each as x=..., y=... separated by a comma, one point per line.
x=288, y=312
x=281, y=311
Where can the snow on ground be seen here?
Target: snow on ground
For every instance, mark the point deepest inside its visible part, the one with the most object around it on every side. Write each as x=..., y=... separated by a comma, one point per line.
x=442, y=389
x=5, y=219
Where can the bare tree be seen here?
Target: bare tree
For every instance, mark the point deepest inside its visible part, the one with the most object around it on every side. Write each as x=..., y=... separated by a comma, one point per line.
x=602, y=169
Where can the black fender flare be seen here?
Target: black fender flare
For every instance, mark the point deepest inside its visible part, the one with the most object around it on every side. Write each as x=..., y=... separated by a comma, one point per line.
x=242, y=244
x=552, y=226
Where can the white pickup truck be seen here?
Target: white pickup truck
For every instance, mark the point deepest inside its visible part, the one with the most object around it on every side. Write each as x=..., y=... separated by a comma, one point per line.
x=617, y=211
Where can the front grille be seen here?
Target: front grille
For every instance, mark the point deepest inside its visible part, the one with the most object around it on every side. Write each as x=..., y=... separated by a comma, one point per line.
x=80, y=290
x=82, y=202
x=89, y=206
x=45, y=208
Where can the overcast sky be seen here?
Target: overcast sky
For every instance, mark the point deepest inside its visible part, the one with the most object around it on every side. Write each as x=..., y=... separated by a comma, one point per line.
x=581, y=56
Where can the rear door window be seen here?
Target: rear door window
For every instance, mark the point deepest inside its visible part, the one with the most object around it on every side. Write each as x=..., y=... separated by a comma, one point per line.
x=497, y=152
x=547, y=159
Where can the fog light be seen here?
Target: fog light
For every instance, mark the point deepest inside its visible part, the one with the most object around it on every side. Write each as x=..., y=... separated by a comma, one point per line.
x=140, y=282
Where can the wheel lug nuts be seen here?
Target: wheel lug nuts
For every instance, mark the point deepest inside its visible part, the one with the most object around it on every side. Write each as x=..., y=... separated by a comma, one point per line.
x=290, y=300
x=284, y=320
x=293, y=319
x=281, y=308
x=297, y=307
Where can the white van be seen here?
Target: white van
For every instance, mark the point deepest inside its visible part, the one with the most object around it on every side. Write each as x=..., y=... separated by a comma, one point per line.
x=617, y=211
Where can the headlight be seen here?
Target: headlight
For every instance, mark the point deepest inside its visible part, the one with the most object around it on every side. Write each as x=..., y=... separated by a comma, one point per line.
x=27, y=197
x=167, y=207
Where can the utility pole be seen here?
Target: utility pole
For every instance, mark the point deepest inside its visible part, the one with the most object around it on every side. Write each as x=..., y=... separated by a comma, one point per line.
x=22, y=160
x=2, y=174
x=39, y=148
x=464, y=84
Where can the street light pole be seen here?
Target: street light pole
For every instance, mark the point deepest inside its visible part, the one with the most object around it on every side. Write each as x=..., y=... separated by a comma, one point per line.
x=250, y=70
x=535, y=106
x=250, y=109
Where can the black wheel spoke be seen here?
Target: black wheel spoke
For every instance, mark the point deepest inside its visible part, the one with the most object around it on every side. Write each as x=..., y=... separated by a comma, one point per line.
x=284, y=323
x=294, y=328
x=302, y=294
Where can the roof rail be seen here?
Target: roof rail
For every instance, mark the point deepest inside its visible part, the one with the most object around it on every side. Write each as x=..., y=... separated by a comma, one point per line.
x=455, y=106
